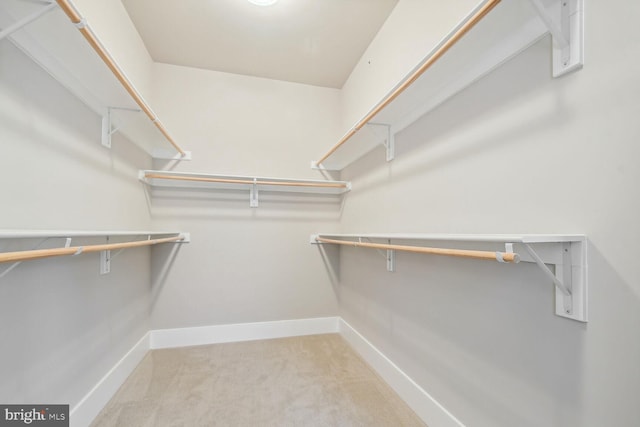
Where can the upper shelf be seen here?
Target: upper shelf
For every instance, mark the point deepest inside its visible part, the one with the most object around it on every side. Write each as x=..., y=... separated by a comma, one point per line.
x=61, y=42
x=236, y=182
x=491, y=34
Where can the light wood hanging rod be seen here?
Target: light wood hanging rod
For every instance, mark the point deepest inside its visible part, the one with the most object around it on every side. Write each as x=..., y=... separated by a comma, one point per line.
x=248, y=181
x=486, y=255
x=88, y=34
x=484, y=10
x=77, y=250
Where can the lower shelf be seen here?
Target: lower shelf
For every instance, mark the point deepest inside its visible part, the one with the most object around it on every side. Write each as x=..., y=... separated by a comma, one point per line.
x=14, y=258
x=567, y=253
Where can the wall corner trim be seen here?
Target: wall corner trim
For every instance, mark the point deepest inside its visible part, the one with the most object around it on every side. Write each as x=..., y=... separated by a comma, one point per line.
x=83, y=413
x=202, y=335
x=422, y=403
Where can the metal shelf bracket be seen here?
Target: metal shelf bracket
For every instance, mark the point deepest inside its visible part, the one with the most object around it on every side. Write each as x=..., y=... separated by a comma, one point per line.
x=569, y=277
x=389, y=138
x=253, y=195
x=565, y=22
x=107, y=125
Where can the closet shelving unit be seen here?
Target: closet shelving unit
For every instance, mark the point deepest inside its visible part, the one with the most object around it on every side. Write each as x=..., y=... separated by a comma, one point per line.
x=133, y=239
x=491, y=34
x=253, y=184
x=58, y=38
x=567, y=253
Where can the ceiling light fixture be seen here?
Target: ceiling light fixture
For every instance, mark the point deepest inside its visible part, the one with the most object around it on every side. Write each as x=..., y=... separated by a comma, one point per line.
x=263, y=2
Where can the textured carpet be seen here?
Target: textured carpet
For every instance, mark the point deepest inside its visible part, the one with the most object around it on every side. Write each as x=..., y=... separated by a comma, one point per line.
x=302, y=381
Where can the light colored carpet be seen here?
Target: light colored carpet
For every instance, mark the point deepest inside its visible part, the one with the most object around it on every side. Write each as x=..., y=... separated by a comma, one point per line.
x=302, y=381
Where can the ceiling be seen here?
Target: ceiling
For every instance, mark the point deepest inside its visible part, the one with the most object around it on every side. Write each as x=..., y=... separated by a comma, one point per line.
x=316, y=42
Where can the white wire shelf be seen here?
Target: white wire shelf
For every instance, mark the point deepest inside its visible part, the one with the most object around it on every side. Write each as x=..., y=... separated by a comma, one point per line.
x=566, y=252
x=62, y=43
x=253, y=184
x=488, y=36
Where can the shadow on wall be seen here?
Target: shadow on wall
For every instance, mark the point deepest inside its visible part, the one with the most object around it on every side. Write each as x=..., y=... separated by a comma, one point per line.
x=480, y=337
x=162, y=259
x=331, y=259
x=427, y=144
x=64, y=325
x=612, y=383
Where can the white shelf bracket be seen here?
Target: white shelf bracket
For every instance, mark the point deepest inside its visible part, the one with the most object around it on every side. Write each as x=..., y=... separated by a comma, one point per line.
x=565, y=22
x=391, y=260
x=27, y=19
x=569, y=278
x=105, y=262
x=253, y=195
x=389, y=141
x=107, y=125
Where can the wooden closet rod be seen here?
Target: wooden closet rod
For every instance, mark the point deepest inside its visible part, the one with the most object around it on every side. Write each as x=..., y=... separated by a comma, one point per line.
x=77, y=250
x=485, y=9
x=88, y=34
x=247, y=181
x=487, y=255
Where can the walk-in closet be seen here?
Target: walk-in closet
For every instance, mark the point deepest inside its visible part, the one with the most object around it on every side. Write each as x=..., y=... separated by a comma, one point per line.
x=319, y=213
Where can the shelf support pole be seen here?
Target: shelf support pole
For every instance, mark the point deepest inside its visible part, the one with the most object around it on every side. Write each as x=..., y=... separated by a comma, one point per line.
x=27, y=20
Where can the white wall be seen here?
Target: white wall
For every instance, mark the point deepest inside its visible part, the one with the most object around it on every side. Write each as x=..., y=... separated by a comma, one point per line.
x=244, y=264
x=62, y=326
x=406, y=37
x=518, y=152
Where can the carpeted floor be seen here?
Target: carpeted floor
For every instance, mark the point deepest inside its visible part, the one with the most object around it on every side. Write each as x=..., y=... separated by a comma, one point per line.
x=302, y=381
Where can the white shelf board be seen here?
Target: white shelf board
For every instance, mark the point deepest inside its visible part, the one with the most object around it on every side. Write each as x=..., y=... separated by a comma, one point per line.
x=33, y=234
x=159, y=182
x=511, y=27
x=53, y=42
x=566, y=252
x=491, y=238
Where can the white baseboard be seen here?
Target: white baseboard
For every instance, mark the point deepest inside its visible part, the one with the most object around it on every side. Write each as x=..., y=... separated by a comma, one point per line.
x=184, y=337
x=422, y=403
x=82, y=414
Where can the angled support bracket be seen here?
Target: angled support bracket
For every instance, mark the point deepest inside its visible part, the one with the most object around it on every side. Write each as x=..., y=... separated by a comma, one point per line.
x=565, y=21
x=253, y=195
x=107, y=125
x=389, y=138
x=27, y=19
x=569, y=277
x=17, y=263
x=388, y=254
